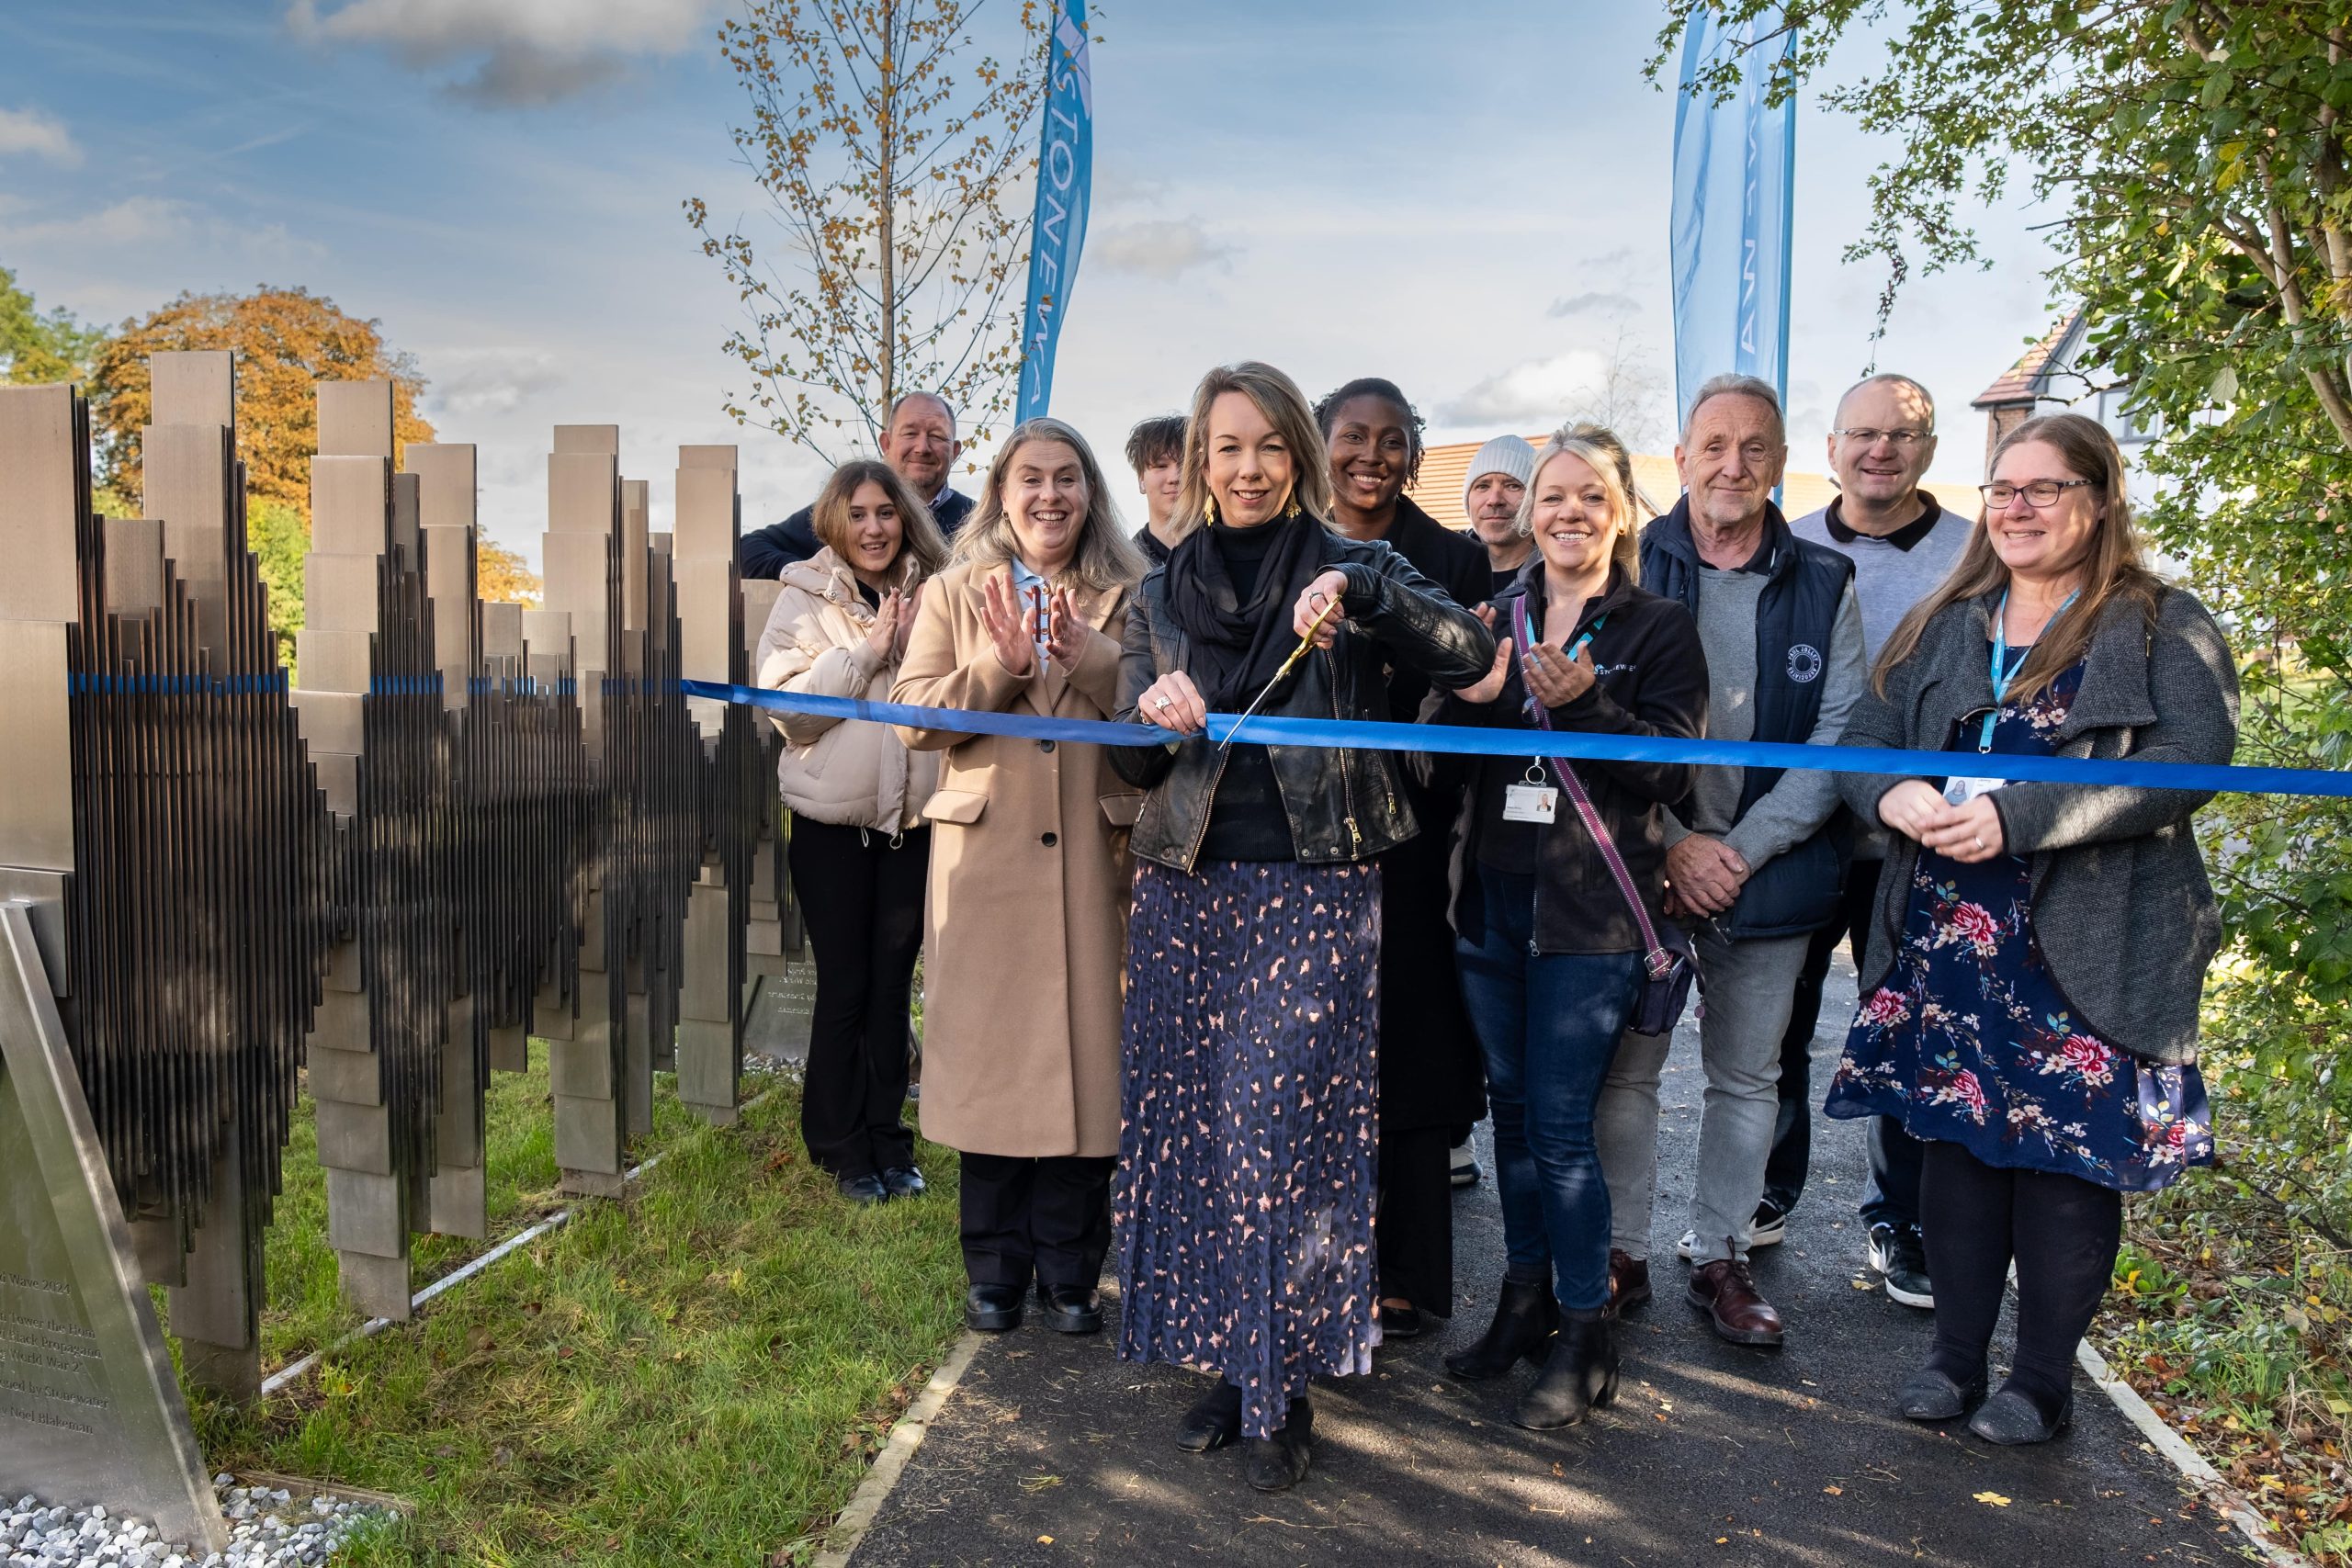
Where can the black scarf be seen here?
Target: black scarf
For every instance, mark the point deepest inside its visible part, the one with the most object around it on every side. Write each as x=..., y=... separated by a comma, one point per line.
x=1237, y=648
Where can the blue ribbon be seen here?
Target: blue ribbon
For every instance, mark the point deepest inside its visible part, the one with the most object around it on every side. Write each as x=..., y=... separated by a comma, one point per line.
x=1369, y=735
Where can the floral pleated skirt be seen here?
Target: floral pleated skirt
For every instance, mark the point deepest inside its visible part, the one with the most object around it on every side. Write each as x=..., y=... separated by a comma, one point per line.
x=1247, y=1157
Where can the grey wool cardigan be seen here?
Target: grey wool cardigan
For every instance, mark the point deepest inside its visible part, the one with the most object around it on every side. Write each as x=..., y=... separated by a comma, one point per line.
x=2122, y=908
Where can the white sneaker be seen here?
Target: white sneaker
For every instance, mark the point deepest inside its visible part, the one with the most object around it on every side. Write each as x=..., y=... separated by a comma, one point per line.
x=1687, y=1248
x=1465, y=1166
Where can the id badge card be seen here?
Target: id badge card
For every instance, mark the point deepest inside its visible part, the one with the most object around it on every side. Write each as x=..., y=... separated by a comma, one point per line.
x=1530, y=803
x=1961, y=791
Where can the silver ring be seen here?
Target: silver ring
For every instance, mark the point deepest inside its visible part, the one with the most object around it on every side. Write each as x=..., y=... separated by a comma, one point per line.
x=1980, y=840
x=1163, y=702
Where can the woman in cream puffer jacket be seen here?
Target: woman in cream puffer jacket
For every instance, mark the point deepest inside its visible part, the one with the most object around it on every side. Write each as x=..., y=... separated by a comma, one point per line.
x=860, y=850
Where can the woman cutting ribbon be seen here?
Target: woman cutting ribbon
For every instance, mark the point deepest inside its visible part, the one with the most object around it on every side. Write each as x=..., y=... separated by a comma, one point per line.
x=1245, y=1197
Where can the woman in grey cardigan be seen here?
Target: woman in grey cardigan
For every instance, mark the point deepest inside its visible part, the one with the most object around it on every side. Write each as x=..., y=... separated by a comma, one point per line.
x=2029, y=994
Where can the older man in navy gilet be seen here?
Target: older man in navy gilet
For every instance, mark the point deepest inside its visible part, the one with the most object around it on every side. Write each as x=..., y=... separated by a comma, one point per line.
x=1754, y=861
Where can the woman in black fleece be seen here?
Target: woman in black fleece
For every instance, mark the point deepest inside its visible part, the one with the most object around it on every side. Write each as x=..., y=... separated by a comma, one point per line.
x=1550, y=951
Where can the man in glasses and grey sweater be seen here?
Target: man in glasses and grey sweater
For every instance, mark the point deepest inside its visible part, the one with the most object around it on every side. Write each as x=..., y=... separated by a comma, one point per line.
x=1902, y=544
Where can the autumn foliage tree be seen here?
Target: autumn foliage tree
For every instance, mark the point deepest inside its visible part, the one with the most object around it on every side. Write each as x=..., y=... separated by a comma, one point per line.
x=501, y=578
x=285, y=339
x=895, y=161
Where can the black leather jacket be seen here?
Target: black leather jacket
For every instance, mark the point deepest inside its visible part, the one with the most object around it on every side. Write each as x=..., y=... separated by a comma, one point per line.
x=1342, y=805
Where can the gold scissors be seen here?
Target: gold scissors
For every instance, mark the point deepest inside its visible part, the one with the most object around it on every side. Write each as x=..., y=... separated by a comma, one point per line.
x=1288, y=664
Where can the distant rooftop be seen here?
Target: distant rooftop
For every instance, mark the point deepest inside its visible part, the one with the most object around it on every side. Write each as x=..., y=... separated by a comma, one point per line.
x=2027, y=381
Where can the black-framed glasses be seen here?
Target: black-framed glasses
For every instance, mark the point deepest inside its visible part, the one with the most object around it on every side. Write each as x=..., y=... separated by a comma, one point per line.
x=2038, y=493
x=1903, y=439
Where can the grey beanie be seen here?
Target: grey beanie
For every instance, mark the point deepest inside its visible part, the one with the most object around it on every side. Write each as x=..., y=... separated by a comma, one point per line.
x=1503, y=455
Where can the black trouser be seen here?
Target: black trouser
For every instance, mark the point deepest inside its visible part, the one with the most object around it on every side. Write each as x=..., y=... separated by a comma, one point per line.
x=862, y=901
x=1048, y=1219
x=1413, y=1225
x=2062, y=1231
x=1892, y=1197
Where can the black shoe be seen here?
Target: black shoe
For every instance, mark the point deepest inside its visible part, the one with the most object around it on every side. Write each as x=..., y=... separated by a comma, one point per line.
x=1405, y=1322
x=992, y=1309
x=903, y=1181
x=2012, y=1418
x=1525, y=1319
x=1279, y=1463
x=1771, y=1223
x=1214, y=1420
x=862, y=1190
x=1580, y=1377
x=1070, y=1309
x=1901, y=1260
x=1929, y=1394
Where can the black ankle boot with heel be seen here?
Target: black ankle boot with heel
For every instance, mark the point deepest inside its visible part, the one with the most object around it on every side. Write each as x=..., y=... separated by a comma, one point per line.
x=1525, y=1319
x=1579, y=1377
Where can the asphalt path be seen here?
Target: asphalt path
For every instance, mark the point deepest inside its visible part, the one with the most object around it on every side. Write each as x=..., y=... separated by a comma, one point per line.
x=1051, y=1451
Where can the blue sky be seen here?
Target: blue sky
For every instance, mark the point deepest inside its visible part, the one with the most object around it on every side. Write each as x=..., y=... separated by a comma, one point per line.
x=1472, y=201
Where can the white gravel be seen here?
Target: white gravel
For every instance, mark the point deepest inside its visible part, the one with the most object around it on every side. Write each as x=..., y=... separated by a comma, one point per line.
x=267, y=1529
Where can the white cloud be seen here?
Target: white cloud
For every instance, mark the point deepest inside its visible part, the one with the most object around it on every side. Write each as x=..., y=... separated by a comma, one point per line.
x=1591, y=302
x=472, y=381
x=32, y=132
x=1534, y=393
x=523, y=53
x=161, y=221
x=1166, y=248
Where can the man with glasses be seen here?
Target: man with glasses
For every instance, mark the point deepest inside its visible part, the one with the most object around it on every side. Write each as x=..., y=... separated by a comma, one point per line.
x=1902, y=544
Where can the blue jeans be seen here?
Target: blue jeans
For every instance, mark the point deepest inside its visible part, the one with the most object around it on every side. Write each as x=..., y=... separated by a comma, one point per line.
x=1548, y=1024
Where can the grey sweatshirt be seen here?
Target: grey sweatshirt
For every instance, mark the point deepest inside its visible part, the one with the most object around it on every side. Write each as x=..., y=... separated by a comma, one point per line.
x=1795, y=807
x=1890, y=576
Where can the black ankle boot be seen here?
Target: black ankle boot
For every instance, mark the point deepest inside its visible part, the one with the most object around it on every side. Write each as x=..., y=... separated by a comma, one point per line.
x=1580, y=1377
x=1279, y=1463
x=1214, y=1420
x=1525, y=1319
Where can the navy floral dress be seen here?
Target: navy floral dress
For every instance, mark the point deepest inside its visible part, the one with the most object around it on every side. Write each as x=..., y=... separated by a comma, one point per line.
x=1243, y=1208
x=1969, y=1040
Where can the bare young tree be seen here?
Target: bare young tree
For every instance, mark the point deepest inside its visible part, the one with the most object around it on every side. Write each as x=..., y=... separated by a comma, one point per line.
x=898, y=185
x=1629, y=395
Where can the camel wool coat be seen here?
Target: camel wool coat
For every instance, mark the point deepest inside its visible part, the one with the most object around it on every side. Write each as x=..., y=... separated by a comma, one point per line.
x=1026, y=931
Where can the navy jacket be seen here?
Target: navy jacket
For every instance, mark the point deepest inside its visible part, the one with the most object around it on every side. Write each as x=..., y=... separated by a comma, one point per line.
x=1796, y=620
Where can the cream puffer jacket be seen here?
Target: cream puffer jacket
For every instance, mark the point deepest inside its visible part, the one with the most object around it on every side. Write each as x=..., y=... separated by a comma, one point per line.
x=845, y=771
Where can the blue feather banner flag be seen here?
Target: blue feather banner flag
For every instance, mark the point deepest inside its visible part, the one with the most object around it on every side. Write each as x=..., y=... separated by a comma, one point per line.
x=1065, y=179
x=1734, y=205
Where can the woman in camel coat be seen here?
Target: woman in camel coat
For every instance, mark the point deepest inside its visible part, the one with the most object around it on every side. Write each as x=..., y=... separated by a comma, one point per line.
x=1029, y=877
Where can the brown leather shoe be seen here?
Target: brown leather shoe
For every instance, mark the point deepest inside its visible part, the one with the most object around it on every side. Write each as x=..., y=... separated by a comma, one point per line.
x=1724, y=1291
x=1629, y=1283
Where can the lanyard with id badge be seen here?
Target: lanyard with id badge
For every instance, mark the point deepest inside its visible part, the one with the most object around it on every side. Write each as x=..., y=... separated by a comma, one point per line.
x=1960, y=791
x=1531, y=799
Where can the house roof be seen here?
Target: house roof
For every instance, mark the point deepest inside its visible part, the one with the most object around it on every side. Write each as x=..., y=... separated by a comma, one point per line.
x=1437, y=489
x=2027, y=381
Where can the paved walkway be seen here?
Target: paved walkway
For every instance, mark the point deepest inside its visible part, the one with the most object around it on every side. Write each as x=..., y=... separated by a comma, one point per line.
x=1053, y=1451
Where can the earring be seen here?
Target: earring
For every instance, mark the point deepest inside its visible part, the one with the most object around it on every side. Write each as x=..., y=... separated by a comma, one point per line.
x=1208, y=509
x=1293, y=509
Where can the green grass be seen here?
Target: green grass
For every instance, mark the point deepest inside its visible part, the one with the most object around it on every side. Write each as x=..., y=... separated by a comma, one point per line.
x=698, y=1372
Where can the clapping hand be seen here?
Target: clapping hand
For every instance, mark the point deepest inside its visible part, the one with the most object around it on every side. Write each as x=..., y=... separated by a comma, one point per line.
x=1066, y=631
x=889, y=634
x=907, y=608
x=1490, y=686
x=1555, y=680
x=1010, y=627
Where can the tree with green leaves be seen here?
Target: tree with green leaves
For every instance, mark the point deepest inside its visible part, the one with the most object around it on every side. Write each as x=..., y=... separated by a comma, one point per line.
x=35, y=348
x=895, y=158
x=2197, y=157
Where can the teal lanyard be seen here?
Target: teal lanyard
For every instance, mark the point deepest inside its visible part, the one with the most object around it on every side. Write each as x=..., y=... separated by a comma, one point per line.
x=2001, y=660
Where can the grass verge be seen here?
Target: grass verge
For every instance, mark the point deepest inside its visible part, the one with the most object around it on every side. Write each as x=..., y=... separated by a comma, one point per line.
x=2234, y=1321
x=698, y=1373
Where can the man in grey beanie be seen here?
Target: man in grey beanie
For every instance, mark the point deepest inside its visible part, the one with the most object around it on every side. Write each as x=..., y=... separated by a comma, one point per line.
x=1499, y=475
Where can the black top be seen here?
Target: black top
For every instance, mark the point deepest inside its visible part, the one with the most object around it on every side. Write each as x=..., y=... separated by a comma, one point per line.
x=1245, y=818
x=1832, y=517
x=765, y=552
x=1455, y=562
x=1148, y=541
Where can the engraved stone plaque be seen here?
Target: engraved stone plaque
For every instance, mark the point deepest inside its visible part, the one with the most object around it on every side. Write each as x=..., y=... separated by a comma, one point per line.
x=89, y=1410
